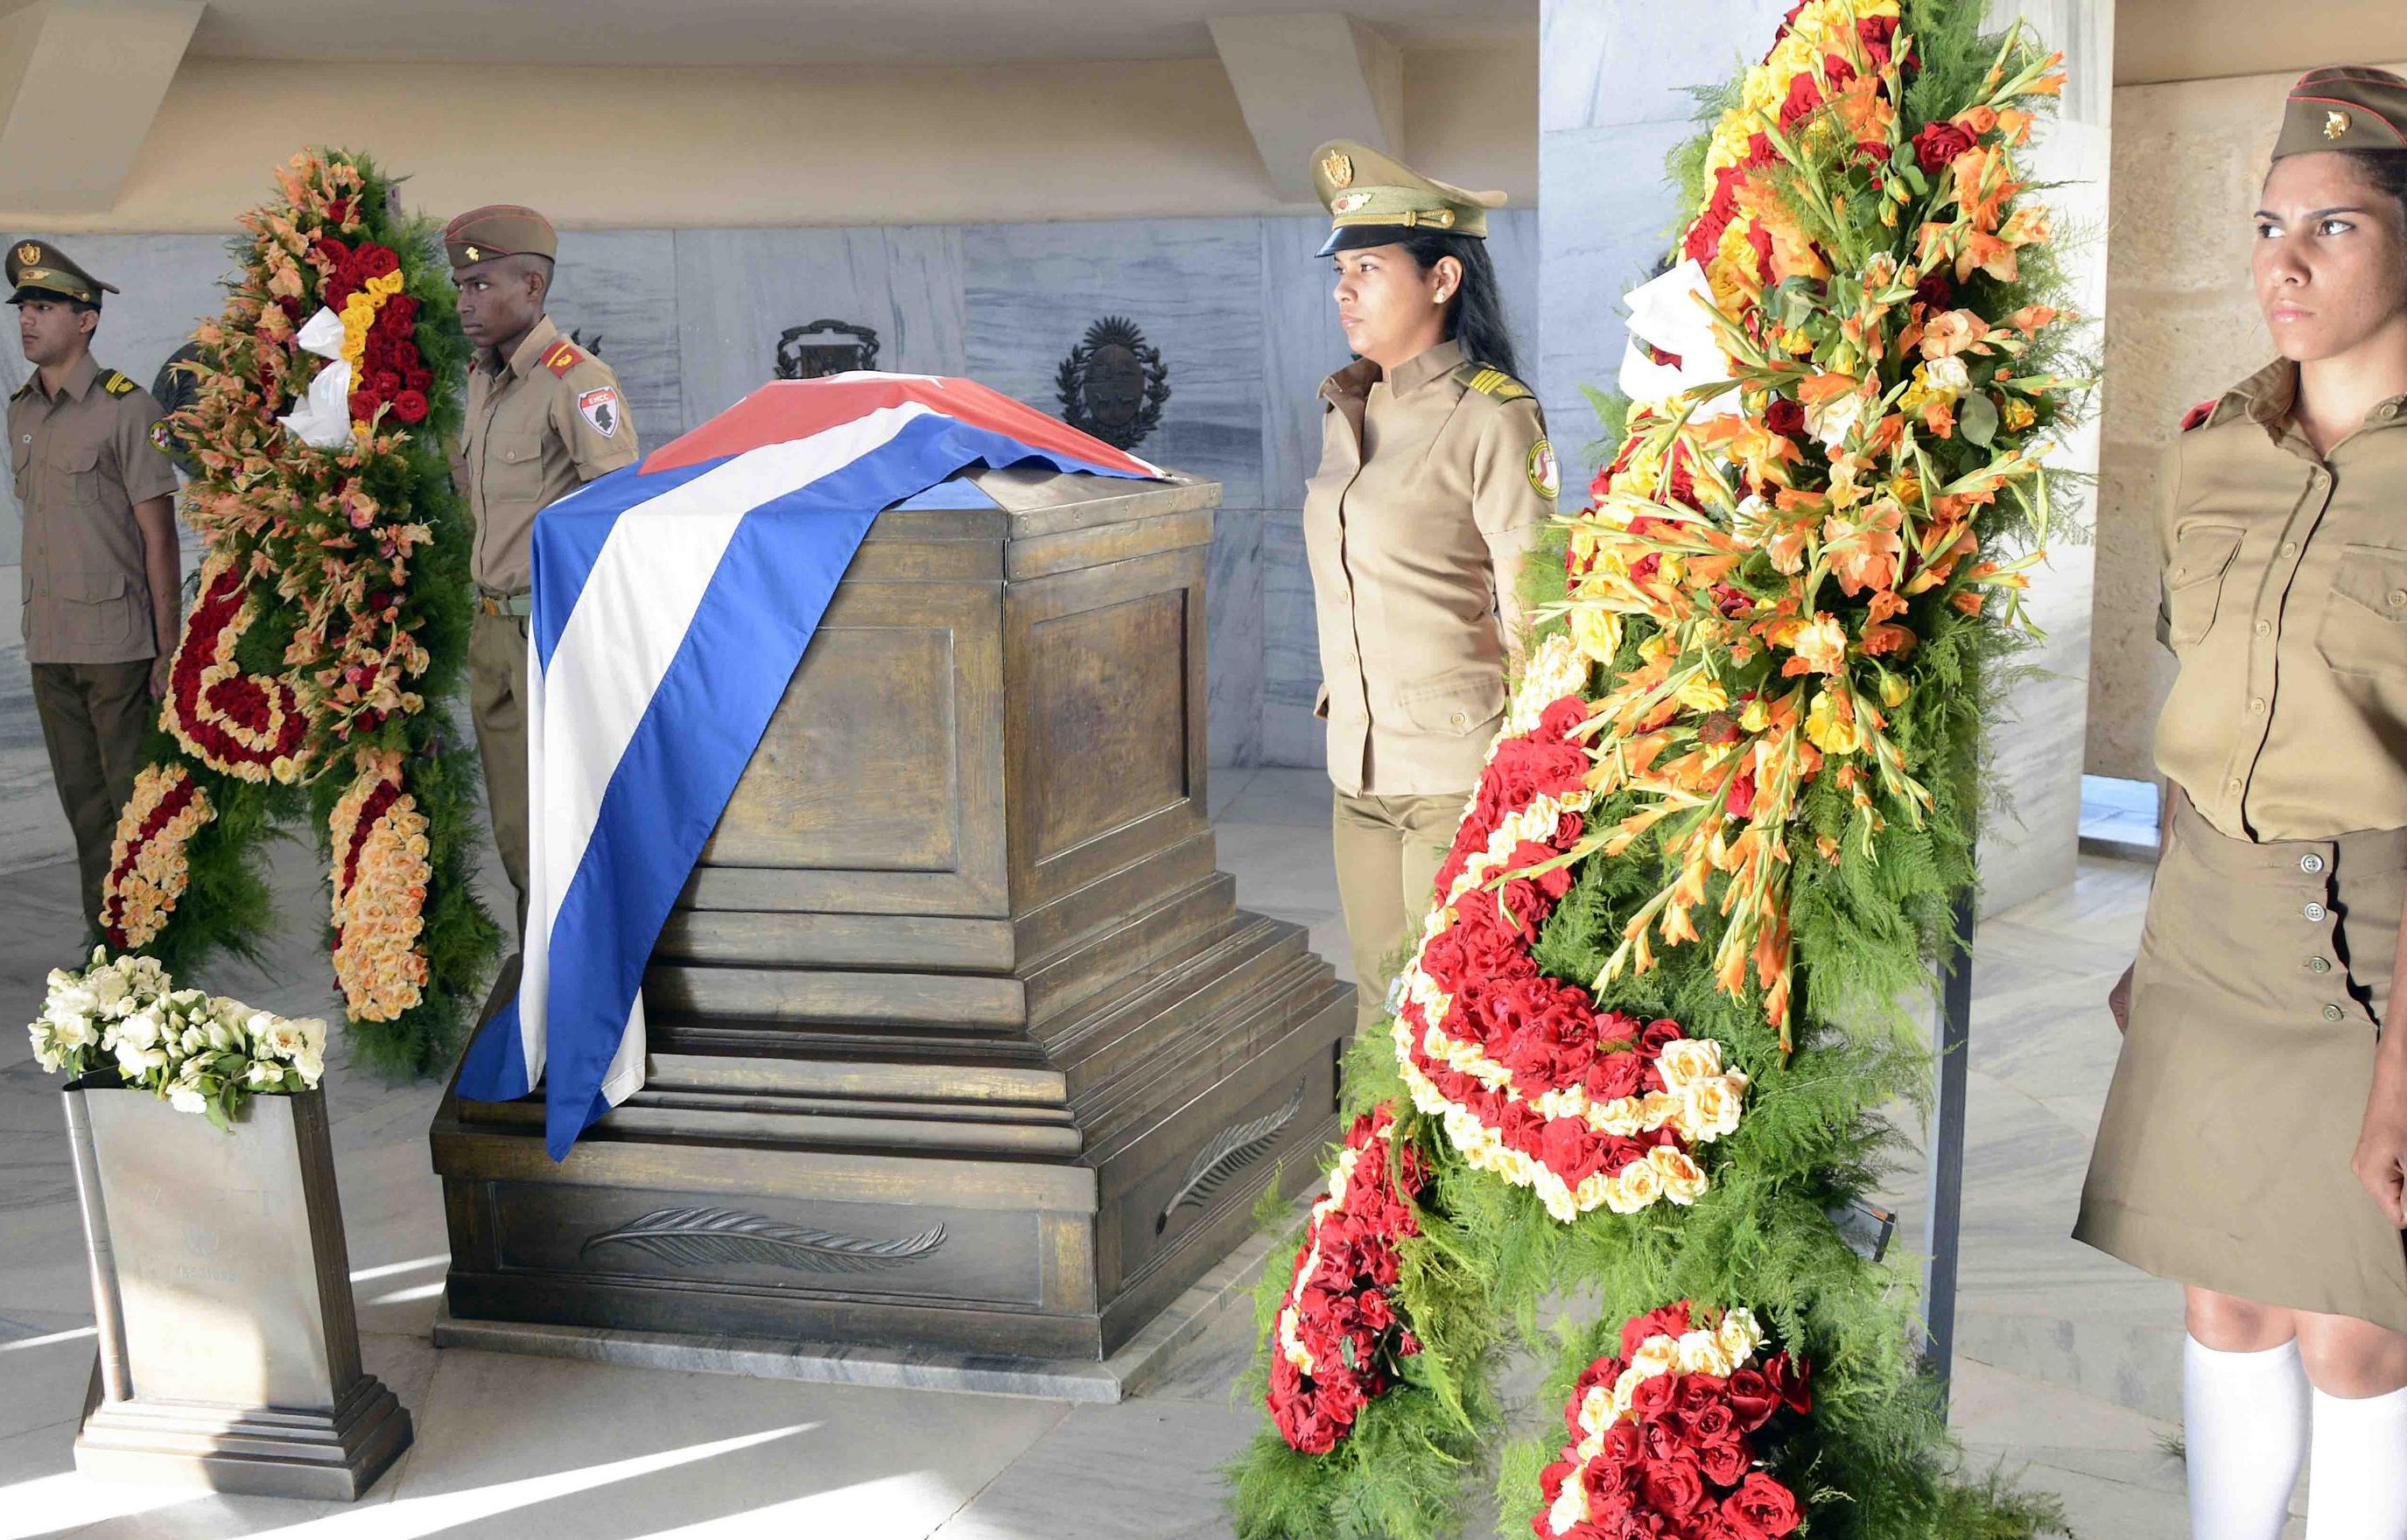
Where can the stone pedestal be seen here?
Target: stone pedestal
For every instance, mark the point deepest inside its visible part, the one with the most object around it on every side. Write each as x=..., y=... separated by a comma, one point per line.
x=229, y=1352
x=959, y=1041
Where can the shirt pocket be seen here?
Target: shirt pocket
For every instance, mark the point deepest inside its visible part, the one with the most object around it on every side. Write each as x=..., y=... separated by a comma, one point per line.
x=2203, y=555
x=78, y=474
x=95, y=609
x=1455, y=703
x=513, y=469
x=2364, y=625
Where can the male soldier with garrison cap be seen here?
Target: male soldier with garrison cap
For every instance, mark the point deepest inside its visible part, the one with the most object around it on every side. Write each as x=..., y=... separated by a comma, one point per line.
x=545, y=418
x=103, y=605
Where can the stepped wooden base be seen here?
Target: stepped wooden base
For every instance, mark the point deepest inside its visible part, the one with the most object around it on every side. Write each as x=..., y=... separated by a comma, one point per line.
x=912, y=1204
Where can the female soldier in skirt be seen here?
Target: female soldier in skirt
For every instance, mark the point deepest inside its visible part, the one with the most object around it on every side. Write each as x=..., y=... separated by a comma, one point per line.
x=1435, y=475
x=2256, y=1135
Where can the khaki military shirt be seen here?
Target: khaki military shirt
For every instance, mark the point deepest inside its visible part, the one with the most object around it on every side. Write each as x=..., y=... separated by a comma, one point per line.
x=1430, y=489
x=83, y=458
x=2286, y=600
x=541, y=423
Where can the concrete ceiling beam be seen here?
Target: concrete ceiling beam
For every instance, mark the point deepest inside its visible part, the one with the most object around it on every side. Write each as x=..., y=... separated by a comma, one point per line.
x=1302, y=80
x=82, y=80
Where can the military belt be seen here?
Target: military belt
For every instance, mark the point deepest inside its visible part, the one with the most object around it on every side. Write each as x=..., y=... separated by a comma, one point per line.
x=517, y=607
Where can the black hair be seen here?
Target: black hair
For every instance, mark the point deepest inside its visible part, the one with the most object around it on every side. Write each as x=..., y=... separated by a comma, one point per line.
x=1476, y=316
x=2386, y=169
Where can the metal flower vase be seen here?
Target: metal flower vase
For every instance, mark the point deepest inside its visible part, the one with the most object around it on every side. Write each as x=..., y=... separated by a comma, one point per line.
x=229, y=1353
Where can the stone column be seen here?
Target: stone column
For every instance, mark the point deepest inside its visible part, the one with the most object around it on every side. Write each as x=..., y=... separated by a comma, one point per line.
x=1613, y=99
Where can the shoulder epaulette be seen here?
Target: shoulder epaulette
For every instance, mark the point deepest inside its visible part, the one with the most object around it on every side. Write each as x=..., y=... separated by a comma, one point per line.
x=116, y=383
x=2197, y=415
x=1490, y=381
x=561, y=357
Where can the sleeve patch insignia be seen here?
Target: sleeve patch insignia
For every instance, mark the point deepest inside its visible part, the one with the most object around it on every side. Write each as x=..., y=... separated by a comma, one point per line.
x=600, y=407
x=160, y=439
x=561, y=357
x=1545, y=478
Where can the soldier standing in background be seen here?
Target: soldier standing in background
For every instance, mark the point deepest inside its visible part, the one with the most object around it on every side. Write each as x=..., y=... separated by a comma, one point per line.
x=102, y=586
x=545, y=416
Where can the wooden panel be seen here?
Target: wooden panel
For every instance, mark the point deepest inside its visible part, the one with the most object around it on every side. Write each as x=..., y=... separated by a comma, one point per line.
x=878, y=788
x=937, y=1255
x=1108, y=768
x=869, y=711
x=1109, y=690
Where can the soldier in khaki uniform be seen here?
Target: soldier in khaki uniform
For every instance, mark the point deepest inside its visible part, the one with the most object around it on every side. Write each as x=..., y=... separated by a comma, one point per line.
x=545, y=416
x=103, y=604
x=2255, y=1139
x=1436, y=477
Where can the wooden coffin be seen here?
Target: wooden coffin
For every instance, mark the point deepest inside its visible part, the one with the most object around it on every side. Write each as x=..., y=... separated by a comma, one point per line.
x=958, y=1040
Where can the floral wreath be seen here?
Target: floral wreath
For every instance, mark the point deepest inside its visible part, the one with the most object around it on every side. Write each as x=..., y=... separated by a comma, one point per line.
x=1746, y=749
x=332, y=610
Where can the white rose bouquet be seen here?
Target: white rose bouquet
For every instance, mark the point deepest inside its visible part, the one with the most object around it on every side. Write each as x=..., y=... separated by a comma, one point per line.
x=204, y=1053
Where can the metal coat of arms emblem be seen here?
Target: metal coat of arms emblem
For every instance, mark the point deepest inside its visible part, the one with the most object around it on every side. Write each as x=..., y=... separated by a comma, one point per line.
x=825, y=347
x=1112, y=384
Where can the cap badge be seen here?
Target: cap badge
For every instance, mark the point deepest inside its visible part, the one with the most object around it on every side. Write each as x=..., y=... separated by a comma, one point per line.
x=473, y=254
x=1338, y=167
x=2335, y=124
x=1346, y=203
x=29, y=253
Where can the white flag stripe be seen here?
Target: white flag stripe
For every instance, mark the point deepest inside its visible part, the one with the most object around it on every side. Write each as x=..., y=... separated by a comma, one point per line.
x=653, y=569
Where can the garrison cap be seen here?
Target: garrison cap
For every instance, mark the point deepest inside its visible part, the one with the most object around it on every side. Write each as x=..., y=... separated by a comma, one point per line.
x=499, y=230
x=1377, y=200
x=37, y=267
x=2346, y=107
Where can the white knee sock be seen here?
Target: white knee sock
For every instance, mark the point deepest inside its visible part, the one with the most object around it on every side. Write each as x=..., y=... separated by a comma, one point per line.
x=2246, y=1430
x=2357, y=1484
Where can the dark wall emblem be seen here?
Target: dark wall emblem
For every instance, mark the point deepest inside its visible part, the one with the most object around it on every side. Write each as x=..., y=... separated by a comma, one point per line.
x=825, y=347
x=174, y=390
x=1112, y=384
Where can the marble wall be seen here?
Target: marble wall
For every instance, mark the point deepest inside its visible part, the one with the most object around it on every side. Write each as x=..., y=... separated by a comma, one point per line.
x=1239, y=307
x=1615, y=84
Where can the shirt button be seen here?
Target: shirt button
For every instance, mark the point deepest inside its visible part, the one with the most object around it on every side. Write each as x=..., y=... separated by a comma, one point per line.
x=2257, y=708
x=2319, y=964
x=2310, y=863
x=2398, y=597
x=1460, y=719
x=2333, y=1013
x=2314, y=911
x=2264, y=628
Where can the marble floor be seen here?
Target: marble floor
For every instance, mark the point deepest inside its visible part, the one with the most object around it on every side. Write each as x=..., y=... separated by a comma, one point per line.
x=2066, y=1373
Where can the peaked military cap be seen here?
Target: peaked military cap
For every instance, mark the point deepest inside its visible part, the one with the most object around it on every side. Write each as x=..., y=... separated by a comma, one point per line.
x=499, y=230
x=37, y=267
x=2347, y=107
x=1377, y=200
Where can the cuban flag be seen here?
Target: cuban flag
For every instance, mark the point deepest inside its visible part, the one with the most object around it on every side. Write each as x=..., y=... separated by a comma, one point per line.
x=673, y=600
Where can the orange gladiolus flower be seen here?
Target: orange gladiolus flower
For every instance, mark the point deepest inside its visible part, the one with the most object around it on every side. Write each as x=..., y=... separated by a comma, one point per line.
x=1820, y=645
x=1952, y=332
x=1864, y=553
x=1886, y=637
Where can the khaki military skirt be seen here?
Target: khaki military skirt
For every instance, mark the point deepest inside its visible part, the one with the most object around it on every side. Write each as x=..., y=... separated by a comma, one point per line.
x=2222, y=1160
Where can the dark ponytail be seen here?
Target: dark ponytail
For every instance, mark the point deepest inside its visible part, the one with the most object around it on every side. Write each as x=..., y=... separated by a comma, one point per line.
x=1475, y=319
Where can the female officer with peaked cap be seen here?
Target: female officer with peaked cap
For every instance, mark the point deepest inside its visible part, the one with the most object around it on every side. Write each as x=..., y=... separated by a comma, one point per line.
x=1435, y=476
x=2256, y=1135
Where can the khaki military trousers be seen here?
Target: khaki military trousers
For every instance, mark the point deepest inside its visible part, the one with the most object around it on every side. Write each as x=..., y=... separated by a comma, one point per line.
x=497, y=664
x=94, y=719
x=1389, y=849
